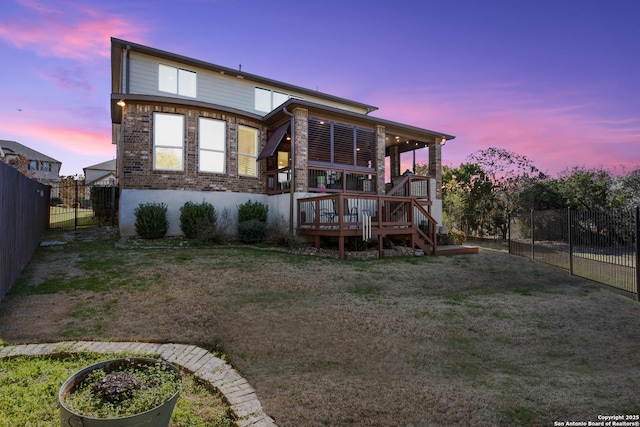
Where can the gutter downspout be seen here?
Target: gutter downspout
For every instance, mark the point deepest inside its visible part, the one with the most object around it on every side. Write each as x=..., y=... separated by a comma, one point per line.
x=293, y=171
x=128, y=62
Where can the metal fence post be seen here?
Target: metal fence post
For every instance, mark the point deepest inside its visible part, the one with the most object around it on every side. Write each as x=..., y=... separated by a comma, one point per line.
x=570, y=237
x=533, y=240
x=637, y=221
x=75, y=205
x=509, y=232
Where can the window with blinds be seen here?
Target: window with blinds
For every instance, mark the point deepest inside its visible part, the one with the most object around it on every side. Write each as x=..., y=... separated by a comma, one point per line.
x=340, y=144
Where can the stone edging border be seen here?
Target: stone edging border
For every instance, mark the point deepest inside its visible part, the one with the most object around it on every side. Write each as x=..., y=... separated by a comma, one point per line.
x=199, y=362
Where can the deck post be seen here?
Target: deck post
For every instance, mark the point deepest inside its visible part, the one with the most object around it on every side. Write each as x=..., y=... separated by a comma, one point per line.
x=341, y=247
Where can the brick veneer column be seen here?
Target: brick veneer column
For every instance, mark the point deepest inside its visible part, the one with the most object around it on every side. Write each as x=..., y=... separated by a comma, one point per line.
x=380, y=151
x=301, y=135
x=435, y=166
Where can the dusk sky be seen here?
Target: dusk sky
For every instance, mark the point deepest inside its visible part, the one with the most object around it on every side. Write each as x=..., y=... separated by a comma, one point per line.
x=555, y=80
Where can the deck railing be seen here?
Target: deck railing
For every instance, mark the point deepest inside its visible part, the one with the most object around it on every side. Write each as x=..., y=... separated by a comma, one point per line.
x=278, y=181
x=411, y=186
x=340, y=180
x=350, y=215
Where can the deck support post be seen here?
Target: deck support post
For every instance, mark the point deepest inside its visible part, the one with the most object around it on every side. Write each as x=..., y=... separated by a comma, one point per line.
x=341, y=247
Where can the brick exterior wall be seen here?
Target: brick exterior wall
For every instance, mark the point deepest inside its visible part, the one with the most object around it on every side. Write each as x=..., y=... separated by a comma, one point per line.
x=380, y=142
x=435, y=166
x=301, y=135
x=135, y=152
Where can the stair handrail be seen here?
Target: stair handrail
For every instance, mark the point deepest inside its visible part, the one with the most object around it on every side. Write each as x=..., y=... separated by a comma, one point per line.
x=405, y=184
x=430, y=237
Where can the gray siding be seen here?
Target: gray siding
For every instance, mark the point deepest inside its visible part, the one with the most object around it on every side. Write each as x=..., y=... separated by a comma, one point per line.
x=212, y=87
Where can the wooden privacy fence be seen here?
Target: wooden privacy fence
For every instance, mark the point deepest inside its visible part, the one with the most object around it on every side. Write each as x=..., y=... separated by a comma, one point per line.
x=24, y=216
x=600, y=246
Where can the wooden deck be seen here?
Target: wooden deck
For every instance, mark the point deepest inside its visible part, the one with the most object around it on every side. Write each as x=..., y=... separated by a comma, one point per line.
x=456, y=250
x=343, y=216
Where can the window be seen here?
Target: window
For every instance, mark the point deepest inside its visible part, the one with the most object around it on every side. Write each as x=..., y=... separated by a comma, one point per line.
x=341, y=144
x=212, y=142
x=168, y=140
x=33, y=165
x=46, y=166
x=266, y=100
x=247, y=151
x=177, y=80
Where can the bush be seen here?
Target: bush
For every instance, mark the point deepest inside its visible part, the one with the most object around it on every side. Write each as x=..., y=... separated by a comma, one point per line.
x=252, y=231
x=217, y=232
x=151, y=220
x=278, y=232
x=453, y=237
x=252, y=210
x=102, y=205
x=196, y=218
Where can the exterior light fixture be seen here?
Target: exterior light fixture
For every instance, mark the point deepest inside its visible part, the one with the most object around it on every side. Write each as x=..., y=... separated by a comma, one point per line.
x=443, y=142
x=121, y=103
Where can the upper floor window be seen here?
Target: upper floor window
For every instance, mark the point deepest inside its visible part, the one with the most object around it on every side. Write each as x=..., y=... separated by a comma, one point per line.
x=46, y=166
x=247, y=151
x=212, y=141
x=266, y=100
x=177, y=80
x=33, y=165
x=168, y=141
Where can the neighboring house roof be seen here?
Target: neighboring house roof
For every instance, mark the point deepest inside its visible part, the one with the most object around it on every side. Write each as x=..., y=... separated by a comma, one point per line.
x=109, y=165
x=105, y=179
x=12, y=147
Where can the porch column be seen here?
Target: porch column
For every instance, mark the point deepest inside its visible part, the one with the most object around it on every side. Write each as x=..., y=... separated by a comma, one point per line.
x=301, y=134
x=394, y=161
x=435, y=166
x=380, y=143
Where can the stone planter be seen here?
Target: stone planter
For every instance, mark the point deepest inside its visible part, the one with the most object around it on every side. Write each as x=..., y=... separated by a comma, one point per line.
x=154, y=417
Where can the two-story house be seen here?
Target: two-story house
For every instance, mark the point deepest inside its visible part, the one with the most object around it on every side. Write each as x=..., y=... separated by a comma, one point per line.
x=40, y=167
x=189, y=130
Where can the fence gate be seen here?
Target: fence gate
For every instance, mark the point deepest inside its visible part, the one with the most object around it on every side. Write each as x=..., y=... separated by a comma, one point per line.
x=599, y=246
x=75, y=205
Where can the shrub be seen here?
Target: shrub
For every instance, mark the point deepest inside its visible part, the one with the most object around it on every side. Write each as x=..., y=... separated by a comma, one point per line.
x=252, y=210
x=151, y=220
x=252, y=231
x=278, y=232
x=217, y=232
x=196, y=218
x=453, y=237
x=102, y=203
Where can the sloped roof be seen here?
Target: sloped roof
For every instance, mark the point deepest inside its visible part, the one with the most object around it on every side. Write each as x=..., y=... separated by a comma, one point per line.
x=13, y=147
x=109, y=165
x=117, y=45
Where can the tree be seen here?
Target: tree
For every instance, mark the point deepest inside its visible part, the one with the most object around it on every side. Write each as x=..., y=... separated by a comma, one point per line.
x=585, y=189
x=467, y=197
x=21, y=163
x=625, y=190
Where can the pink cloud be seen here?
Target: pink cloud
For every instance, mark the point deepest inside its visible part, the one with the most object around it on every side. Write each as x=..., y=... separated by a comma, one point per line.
x=81, y=35
x=552, y=132
x=68, y=78
x=77, y=140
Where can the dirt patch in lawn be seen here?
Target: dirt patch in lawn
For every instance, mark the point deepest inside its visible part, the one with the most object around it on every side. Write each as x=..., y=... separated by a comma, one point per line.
x=485, y=339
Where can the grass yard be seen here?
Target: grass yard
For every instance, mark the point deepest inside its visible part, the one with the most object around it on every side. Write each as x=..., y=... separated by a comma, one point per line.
x=29, y=392
x=487, y=339
x=65, y=218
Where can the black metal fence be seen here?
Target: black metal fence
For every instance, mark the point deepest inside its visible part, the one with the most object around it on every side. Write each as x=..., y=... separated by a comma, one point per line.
x=599, y=246
x=75, y=205
x=24, y=211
